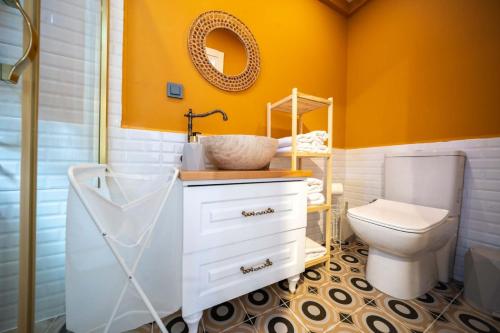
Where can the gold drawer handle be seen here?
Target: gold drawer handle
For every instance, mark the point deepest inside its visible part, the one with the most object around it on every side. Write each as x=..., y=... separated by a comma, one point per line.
x=258, y=268
x=254, y=213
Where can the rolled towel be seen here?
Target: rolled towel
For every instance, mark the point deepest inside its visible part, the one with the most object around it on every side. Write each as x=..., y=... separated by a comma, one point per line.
x=337, y=188
x=315, y=198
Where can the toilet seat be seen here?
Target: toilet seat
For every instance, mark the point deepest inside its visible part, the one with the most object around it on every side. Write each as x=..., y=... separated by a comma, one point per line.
x=400, y=216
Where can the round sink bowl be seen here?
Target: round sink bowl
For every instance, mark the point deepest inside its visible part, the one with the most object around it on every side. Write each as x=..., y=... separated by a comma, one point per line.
x=239, y=152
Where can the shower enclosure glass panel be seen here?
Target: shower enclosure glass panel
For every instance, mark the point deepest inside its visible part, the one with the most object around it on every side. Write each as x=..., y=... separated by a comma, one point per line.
x=68, y=132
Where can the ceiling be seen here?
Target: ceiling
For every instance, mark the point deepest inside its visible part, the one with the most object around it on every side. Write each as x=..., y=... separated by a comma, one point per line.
x=345, y=7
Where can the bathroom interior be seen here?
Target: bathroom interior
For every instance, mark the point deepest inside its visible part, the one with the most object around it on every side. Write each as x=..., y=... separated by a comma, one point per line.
x=249, y=166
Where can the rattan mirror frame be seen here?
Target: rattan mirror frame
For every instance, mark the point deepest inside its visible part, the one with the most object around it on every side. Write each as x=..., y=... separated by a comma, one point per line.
x=201, y=27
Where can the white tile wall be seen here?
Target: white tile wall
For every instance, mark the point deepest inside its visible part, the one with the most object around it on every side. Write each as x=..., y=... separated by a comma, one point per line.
x=68, y=106
x=480, y=217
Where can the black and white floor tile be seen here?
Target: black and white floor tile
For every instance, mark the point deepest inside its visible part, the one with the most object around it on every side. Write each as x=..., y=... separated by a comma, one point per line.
x=315, y=312
x=339, y=300
x=224, y=316
x=260, y=301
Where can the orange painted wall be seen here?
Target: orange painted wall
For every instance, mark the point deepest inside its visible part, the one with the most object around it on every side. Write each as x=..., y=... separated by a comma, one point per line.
x=302, y=44
x=422, y=71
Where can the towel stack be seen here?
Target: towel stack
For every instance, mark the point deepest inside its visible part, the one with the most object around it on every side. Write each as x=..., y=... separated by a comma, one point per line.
x=313, y=250
x=314, y=191
x=312, y=142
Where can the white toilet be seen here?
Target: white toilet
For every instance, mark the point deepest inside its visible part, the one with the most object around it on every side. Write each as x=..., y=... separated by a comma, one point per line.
x=412, y=233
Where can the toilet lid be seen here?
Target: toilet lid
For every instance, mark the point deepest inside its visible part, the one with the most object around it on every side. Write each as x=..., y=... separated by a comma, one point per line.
x=399, y=215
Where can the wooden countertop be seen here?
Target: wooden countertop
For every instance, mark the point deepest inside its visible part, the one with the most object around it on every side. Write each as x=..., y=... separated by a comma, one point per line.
x=242, y=174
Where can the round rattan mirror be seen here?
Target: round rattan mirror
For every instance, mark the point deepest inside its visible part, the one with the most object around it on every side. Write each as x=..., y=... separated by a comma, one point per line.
x=206, y=61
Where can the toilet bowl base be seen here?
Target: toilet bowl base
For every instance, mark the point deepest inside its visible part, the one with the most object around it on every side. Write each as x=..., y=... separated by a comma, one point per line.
x=403, y=278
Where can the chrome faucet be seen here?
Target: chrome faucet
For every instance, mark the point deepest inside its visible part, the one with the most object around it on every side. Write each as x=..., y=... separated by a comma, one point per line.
x=190, y=115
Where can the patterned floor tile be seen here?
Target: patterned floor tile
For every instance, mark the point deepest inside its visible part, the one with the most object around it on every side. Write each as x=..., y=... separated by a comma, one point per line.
x=259, y=301
x=361, y=286
x=314, y=278
x=343, y=299
x=338, y=267
x=175, y=324
x=314, y=312
x=335, y=247
x=440, y=327
x=374, y=320
x=469, y=319
x=247, y=327
x=362, y=253
x=344, y=327
x=224, y=316
x=431, y=302
x=406, y=312
x=281, y=288
x=350, y=259
x=448, y=290
x=146, y=328
x=279, y=320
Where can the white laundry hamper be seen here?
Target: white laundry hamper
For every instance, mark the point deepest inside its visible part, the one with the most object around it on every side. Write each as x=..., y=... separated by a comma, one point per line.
x=123, y=249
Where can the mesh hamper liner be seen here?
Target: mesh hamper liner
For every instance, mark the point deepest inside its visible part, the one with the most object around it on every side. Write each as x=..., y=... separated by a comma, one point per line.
x=123, y=249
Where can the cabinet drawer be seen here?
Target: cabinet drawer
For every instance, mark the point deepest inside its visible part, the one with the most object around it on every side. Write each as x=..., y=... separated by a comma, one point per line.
x=220, y=274
x=217, y=215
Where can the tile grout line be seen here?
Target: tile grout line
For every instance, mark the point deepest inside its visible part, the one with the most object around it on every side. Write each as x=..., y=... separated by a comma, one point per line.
x=238, y=323
x=286, y=305
x=360, y=308
x=444, y=310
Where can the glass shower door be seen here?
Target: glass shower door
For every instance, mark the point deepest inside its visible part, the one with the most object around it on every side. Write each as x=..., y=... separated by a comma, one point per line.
x=67, y=133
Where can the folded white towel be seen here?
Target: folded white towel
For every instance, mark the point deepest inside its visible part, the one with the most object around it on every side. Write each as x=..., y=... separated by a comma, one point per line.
x=305, y=148
x=313, y=247
x=313, y=250
x=319, y=134
x=314, y=181
x=314, y=189
x=315, y=198
x=316, y=138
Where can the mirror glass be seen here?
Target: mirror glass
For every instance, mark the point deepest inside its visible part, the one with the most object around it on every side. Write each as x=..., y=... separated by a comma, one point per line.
x=226, y=52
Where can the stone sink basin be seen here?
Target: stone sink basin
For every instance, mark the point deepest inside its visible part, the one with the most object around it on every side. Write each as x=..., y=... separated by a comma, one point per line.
x=239, y=152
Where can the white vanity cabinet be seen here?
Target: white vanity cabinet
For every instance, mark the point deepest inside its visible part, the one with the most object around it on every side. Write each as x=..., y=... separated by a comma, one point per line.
x=239, y=236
